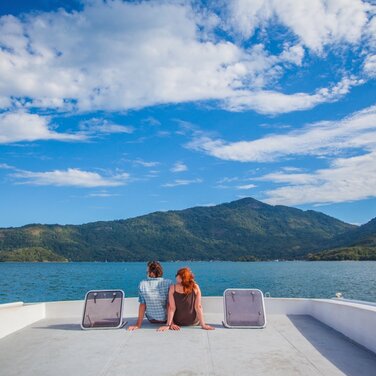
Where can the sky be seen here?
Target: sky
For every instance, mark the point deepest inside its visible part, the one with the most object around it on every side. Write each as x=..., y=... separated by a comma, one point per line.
x=115, y=109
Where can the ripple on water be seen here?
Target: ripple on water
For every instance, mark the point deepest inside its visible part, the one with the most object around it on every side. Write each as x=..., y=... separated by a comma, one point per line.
x=53, y=281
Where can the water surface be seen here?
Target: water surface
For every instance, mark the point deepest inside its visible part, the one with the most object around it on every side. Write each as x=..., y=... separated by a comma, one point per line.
x=34, y=282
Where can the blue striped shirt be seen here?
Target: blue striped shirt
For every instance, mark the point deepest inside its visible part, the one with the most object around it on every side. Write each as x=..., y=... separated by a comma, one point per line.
x=154, y=293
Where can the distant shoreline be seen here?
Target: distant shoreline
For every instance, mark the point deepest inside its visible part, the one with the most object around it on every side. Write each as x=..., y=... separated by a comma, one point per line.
x=173, y=261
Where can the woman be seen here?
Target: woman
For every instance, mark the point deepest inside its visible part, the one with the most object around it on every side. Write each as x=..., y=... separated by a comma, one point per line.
x=184, y=300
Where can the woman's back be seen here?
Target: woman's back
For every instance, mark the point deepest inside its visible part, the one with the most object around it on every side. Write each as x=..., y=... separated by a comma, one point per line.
x=184, y=303
x=185, y=313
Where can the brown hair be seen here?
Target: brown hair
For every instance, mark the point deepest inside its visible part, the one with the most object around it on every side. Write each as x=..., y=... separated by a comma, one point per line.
x=154, y=267
x=187, y=279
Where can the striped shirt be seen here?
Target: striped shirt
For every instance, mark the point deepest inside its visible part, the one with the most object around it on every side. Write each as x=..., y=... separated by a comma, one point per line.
x=154, y=293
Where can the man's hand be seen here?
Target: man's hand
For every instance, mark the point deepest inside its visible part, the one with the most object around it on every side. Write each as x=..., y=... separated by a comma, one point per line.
x=133, y=327
x=207, y=327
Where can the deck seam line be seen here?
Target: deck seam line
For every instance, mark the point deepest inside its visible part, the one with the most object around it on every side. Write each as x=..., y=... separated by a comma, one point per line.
x=106, y=367
x=299, y=351
x=210, y=363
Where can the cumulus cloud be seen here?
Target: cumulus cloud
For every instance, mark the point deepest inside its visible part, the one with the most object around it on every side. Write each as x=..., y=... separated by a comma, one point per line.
x=115, y=56
x=179, y=182
x=179, y=167
x=323, y=138
x=23, y=126
x=348, y=145
x=272, y=102
x=370, y=66
x=119, y=55
x=5, y=102
x=316, y=23
x=71, y=177
x=347, y=179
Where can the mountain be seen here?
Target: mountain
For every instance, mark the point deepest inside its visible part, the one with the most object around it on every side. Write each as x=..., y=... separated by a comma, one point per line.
x=32, y=254
x=364, y=235
x=357, y=253
x=245, y=229
x=357, y=244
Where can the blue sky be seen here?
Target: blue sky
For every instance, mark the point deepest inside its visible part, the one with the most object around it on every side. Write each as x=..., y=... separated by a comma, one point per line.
x=113, y=109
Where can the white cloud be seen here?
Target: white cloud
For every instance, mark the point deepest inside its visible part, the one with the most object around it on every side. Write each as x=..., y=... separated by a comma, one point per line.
x=370, y=66
x=292, y=169
x=179, y=167
x=347, y=179
x=103, y=194
x=5, y=102
x=246, y=186
x=227, y=180
x=146, y=163
x=322, y=138
x=151, y=121
x=293, y=54
x=370, y=31
x=5, y=166
x=208, y=205
x=179, y=182
x=97, y=125
x=22, y=126
x=291, y=178
x=316, y=23
x=272, y=102
x=118, y=55
x=71, y=177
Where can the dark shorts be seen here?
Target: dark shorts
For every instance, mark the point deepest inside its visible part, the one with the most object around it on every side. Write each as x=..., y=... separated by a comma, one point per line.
x=157, y=321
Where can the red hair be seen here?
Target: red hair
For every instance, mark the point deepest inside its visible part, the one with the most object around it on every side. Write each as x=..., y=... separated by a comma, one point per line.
x=187, y=279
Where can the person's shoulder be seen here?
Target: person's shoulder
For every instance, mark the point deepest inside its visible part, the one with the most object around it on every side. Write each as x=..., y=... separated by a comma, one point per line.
x=143, y=283
x=196, y=288
x=168, y=283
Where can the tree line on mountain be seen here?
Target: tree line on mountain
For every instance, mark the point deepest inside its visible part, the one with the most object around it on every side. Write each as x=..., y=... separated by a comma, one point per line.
x=243, y=230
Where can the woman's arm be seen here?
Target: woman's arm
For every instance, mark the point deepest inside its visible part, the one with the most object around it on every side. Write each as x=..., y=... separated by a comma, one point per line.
x=199, y=309
x=170, y=312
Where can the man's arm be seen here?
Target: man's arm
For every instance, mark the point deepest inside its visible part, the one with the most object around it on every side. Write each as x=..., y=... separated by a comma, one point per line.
x=170, y=312
x=141, y=314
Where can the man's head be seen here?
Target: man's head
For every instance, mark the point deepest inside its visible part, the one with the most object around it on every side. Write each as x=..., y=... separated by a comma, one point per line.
x=155, y=269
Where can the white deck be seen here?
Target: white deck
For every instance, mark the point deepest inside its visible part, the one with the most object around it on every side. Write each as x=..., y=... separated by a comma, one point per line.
x=292, y=344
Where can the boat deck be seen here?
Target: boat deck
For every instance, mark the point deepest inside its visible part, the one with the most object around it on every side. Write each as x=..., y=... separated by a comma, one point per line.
x=289, y=345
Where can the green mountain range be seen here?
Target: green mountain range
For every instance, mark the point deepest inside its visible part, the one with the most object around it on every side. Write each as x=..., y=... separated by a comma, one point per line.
x=31, y=254
x=243, y=230
x=357, y=244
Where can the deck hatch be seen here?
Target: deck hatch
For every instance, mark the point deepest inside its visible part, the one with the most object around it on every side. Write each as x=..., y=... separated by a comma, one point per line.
x=244, y=308
x=103, y=309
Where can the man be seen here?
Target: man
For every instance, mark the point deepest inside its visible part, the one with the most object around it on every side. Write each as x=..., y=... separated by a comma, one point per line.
x=152, y=296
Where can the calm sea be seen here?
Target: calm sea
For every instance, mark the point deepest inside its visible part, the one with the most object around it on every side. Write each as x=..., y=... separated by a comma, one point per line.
x=34, y=282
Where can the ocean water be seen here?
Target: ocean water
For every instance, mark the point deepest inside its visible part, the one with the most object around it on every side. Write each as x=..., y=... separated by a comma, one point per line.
x=35, y=282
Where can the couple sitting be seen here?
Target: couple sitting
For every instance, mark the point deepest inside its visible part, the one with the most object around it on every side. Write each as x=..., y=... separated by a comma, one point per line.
x=171, y=305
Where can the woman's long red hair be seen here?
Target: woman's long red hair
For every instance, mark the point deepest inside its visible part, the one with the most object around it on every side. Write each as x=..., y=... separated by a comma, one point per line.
x=187, y=279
